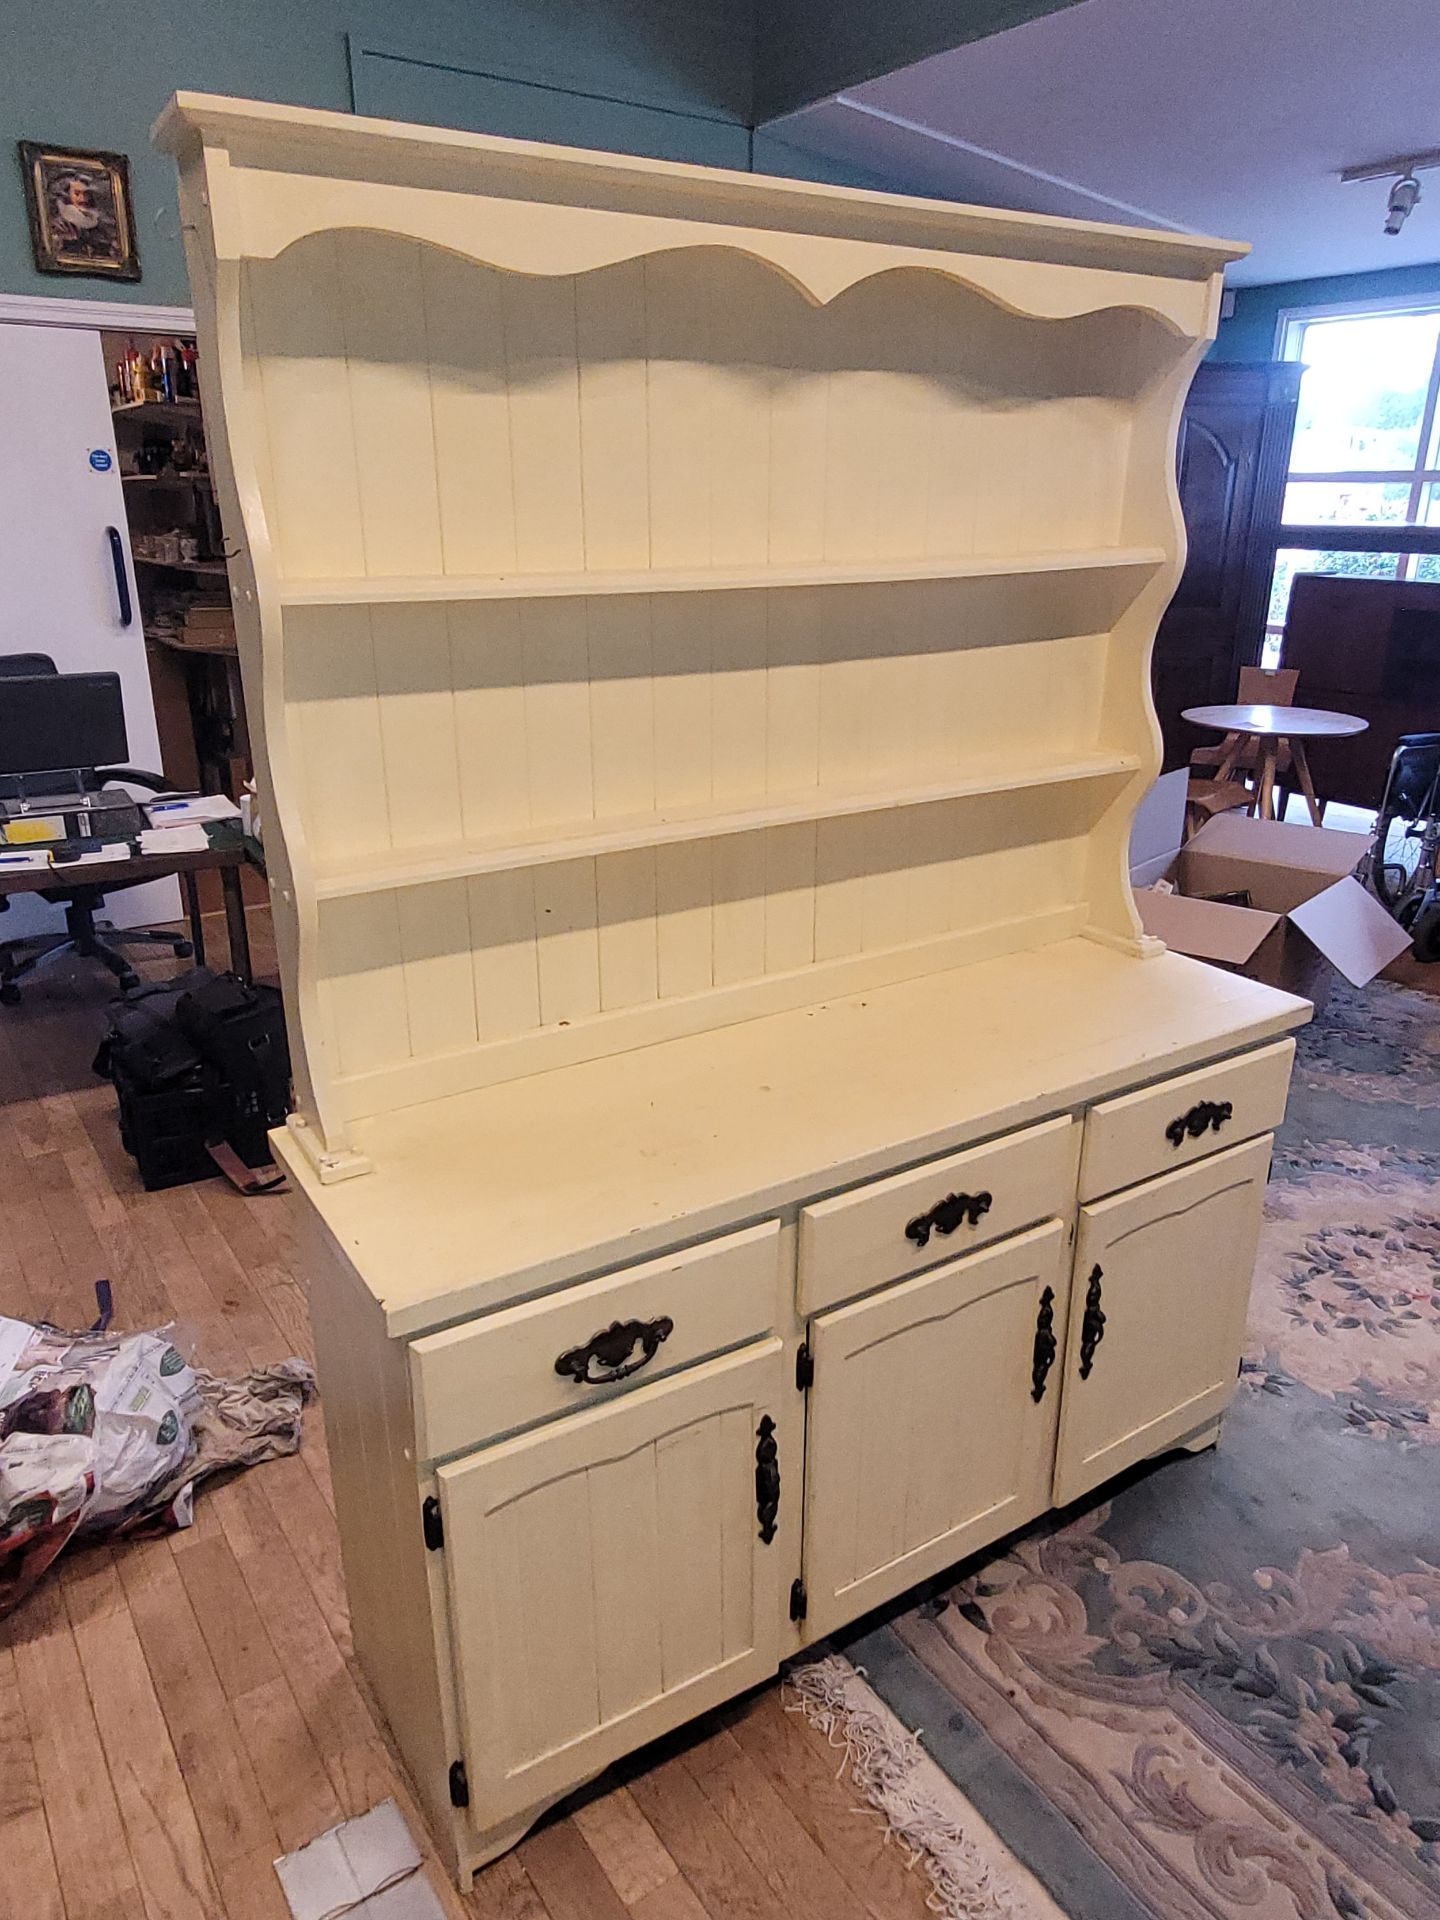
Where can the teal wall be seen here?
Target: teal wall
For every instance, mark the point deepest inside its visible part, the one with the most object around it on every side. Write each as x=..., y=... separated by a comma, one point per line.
x=808, y=48
x=685, y=69
x=678, y=79
x=1250, y=333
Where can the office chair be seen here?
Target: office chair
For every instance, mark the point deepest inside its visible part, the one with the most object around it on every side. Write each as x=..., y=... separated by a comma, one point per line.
x=80, y=899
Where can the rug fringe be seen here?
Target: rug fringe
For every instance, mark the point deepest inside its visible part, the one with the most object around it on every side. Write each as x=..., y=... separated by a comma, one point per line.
x=884, y=1763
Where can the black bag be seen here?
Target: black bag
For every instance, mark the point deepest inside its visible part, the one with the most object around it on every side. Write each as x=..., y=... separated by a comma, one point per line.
x=145, y=1037
x=240, y=1032
x=201, y=1070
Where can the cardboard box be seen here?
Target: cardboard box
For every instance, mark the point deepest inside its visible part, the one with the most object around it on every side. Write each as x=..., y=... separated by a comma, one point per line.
x=1307, y=918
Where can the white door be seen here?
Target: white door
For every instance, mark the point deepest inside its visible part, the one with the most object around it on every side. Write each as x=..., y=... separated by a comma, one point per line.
x=931, y=1427
x=60, y=492
x=609, y=1575
x=1157, y=1313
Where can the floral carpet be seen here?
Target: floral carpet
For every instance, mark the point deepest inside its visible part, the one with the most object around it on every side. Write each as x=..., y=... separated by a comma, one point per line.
x=1215, y=1691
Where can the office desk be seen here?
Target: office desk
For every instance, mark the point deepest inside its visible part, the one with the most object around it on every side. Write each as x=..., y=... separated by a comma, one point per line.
x=227, y=853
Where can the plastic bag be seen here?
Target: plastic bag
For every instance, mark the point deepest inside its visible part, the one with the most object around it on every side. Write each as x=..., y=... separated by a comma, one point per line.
x=94, y=1428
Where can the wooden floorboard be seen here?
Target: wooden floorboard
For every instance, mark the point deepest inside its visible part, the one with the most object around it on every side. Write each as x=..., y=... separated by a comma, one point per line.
x=174, y=1713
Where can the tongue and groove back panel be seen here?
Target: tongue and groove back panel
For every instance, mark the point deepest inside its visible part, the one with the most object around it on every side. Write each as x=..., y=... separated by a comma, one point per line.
x=669, y=596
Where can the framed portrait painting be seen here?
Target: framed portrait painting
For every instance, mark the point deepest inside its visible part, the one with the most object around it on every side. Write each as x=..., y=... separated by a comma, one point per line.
x=81, y=216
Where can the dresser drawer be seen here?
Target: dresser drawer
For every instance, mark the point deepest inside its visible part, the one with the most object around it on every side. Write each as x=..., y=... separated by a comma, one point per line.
x=1166, y=1126
x=895, y=1227
x=588, y=1343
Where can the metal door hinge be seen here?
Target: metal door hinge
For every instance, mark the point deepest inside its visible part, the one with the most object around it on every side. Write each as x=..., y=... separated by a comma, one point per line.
x=432, y=1524
x=799, y=1600
x=459, y=1784
x=804, y=1366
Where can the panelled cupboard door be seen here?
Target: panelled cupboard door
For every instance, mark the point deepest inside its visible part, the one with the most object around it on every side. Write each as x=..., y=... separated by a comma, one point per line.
x=925, y=1437
x=607, y=1576
x=1157, y=1313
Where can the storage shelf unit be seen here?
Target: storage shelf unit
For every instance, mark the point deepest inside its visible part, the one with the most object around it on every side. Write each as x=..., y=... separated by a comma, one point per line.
x=699, y=630
x=536, y=586
x=160, y=411
x=664, y=587
x=216, y=567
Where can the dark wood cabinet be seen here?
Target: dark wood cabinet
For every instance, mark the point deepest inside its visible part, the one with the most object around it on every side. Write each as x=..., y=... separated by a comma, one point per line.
x=1370, y=647
x=1233, y=455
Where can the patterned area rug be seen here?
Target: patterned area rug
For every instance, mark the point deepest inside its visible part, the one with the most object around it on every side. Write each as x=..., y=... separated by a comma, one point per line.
x=1216, y=1691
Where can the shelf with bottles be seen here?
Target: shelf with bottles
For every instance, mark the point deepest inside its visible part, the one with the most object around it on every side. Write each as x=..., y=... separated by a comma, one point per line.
x=180, y=566
x=168, y=477
x=161, y=412
x=158, y=383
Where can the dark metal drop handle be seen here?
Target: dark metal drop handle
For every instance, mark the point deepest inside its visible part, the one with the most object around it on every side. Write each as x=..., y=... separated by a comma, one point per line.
x=1045, y=1346
x=956, y=1209
x=767, y=1478
x=122, y=580
x=622, y=1349
x=1211, y=1114
x=1092, y=1327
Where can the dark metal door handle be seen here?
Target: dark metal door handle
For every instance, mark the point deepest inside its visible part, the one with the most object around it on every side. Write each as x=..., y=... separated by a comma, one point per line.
x=122, y=579
x=767, y=1478
x=622, y=1349
x=956, y=1209
x=1045, y=1346
x=1206, y=1113
x=1092, y=1327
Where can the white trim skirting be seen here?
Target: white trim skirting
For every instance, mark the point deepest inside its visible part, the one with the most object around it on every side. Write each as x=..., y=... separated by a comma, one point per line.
x=45, y=310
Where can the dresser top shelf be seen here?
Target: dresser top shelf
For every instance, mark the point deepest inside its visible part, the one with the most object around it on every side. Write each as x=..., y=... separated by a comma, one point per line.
x=492, y=1195
x=404, y=590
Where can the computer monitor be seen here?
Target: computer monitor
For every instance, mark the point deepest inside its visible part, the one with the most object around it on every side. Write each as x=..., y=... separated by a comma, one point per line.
x=51, y=722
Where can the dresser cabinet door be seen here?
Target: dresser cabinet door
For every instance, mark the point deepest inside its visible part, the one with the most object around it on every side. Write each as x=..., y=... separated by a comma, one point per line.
x=1157, y=1313
x=608, y=1578
x=926, y=1438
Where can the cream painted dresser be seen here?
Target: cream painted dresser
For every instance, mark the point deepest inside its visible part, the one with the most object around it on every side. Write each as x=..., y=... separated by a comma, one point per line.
x=696, y=632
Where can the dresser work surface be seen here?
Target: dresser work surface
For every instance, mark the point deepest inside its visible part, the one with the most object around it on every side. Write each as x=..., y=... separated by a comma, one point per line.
x=747, y=1155
x=485, y=1197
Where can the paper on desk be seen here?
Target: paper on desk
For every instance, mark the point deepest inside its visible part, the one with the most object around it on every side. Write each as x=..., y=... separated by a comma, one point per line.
x=27, y=828
x=197, y=806
x=32, y=857
x=92, y=856
x=173, y=840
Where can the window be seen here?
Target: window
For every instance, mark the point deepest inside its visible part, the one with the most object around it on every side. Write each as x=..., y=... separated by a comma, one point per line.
x=1366, y=451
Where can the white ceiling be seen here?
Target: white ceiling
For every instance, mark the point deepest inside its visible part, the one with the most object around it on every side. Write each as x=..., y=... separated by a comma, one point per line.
x=1230, y=117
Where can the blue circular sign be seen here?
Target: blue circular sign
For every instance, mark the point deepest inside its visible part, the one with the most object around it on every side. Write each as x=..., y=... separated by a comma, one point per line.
x=100, y=460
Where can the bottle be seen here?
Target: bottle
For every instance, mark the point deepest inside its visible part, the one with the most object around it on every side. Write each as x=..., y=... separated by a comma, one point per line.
x=139, y=374
x=186, y=387
x=161, y=382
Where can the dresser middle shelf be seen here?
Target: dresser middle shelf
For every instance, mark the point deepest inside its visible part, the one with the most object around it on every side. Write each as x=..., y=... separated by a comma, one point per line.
x=416, y=866
x=411, y=590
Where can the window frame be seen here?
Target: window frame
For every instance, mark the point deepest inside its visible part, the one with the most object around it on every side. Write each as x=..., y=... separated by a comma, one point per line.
x=1408, y=538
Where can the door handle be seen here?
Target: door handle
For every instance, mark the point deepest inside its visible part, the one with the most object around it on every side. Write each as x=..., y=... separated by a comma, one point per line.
x=955, y=1210
x=122, y=579
x=622, y=1349
x=1046, y=1346
x=767, y=1478
x=1206, y=1113
x=1092, y=1326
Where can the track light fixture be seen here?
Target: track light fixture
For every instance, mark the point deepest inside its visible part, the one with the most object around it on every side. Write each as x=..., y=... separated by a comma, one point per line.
x=1404, y=196
x=1405, y=187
